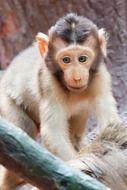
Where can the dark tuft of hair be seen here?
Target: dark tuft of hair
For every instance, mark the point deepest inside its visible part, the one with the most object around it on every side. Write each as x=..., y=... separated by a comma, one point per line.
x=83, y=27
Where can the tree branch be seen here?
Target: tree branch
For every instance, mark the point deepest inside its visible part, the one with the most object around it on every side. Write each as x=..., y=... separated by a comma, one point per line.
x=22, y=155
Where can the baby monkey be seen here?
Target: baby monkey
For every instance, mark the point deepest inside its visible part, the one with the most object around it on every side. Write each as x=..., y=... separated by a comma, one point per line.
x=59, y=91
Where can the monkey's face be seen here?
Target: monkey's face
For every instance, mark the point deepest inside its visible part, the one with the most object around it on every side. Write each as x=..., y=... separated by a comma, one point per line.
x=73, y=50
x=75, y=62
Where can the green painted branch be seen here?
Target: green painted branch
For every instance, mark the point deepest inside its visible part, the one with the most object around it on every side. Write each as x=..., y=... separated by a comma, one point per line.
x=20, y=154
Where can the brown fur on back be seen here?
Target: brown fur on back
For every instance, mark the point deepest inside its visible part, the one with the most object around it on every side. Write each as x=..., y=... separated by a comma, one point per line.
x=106, y=158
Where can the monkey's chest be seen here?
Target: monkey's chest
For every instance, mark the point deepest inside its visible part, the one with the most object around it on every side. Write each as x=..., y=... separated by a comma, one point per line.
x=74, y=108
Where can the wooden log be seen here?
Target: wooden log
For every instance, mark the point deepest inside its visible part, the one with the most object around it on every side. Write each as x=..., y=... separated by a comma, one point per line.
x=22, y=155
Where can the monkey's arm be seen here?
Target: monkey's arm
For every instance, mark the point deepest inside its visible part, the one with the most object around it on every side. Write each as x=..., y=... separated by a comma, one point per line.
x=104, y=105
x=105, y=110
x=54, y=129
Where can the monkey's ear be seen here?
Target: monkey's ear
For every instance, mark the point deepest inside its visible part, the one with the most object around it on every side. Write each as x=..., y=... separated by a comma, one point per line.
x=103, y=38
x=42, y=41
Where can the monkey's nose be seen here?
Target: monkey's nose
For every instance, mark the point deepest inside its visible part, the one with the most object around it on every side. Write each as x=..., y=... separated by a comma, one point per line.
x=77, y=79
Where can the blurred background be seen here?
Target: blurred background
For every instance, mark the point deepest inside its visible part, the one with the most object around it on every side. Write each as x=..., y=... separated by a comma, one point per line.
x=20, y=20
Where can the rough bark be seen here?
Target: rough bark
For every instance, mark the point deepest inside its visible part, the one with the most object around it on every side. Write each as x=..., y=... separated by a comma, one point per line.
x=21, y=20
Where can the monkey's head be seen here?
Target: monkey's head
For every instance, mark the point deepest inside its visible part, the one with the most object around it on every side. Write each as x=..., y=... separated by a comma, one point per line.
x=73, y=51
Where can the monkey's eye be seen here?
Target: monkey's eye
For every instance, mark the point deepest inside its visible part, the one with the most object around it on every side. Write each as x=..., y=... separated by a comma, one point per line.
x=83, y=58
x=66, y=60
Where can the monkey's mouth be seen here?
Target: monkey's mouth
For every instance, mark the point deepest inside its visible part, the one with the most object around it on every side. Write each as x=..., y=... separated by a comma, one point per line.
x=77, y=89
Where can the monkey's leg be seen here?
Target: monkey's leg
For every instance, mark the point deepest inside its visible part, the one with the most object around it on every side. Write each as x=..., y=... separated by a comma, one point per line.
x=77, y=129
x=13, y=113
